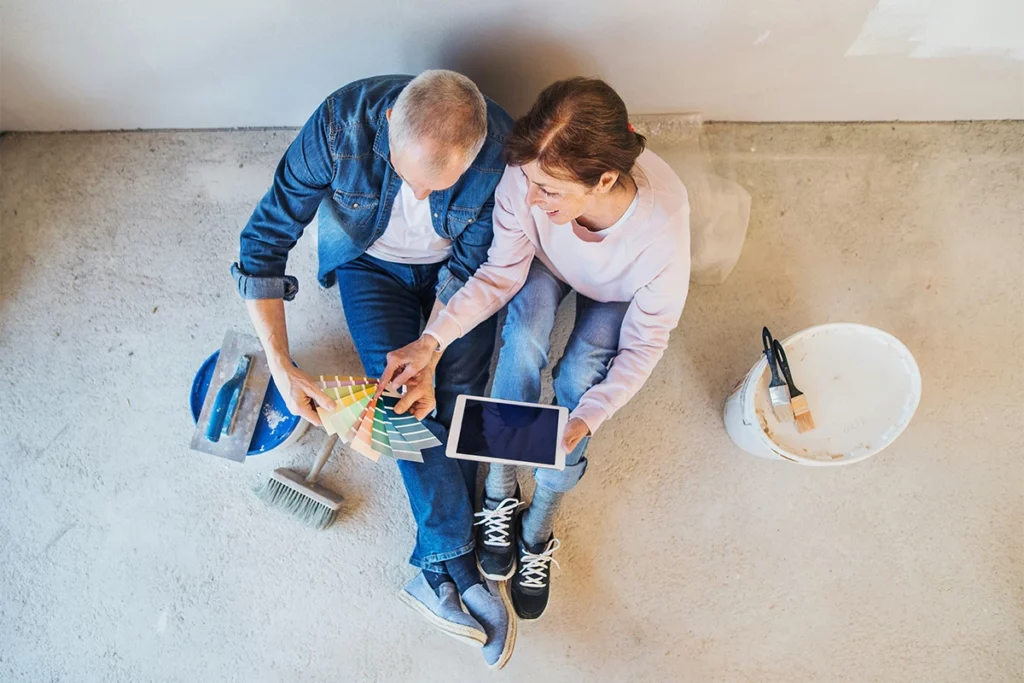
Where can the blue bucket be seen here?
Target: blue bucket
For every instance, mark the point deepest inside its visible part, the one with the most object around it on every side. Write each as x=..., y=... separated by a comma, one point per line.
x=274, y=426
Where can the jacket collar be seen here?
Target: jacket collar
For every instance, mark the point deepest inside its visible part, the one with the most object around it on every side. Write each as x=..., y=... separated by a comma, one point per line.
x=382, y=143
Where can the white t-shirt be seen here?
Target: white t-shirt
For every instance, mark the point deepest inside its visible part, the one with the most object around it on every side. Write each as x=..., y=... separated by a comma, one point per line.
x=630, y=210
x=410, y=236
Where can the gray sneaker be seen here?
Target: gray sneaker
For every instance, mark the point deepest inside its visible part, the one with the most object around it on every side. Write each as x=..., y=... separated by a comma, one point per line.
x=443, y=610
x=492, y=607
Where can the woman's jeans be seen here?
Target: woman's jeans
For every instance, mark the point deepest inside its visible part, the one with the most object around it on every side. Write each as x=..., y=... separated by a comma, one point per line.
x=526, y=336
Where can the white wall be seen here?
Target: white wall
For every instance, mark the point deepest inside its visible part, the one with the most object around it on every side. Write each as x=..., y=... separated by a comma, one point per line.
x=108, y=64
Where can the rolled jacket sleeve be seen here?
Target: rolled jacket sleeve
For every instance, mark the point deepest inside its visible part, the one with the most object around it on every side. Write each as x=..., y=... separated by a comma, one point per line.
x=255, y=287
x=448, y=284
x=301, y=181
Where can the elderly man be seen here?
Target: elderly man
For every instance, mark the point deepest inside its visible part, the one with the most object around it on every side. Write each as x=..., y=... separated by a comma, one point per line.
x=401, y=172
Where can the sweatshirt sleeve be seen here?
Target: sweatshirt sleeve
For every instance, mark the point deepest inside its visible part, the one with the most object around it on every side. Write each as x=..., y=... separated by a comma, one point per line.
x=650, y=318
x=500, y=277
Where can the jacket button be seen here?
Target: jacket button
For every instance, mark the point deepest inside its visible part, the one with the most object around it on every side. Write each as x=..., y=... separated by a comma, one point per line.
x=355, y=206
x=435, y=215
x=470, y=220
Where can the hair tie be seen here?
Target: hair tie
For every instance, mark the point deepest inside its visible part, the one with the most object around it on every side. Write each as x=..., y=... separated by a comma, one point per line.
x=630, y=126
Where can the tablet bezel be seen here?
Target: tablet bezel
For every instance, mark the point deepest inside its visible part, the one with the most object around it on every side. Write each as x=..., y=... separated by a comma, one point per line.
x=451, y=449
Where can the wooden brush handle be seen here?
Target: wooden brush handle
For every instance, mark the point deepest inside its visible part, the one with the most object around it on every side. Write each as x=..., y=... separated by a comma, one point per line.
x=321, y=458
x=780, y=356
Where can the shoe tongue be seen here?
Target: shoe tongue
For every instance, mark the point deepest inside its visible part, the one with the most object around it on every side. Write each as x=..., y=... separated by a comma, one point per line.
x=492, y=504
x=535, y=548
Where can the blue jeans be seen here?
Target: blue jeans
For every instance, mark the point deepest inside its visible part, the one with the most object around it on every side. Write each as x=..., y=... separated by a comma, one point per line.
x=526, y=337
x=386, y=305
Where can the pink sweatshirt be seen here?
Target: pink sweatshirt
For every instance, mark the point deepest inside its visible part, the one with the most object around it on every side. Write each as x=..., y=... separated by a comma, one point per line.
x=644, y=260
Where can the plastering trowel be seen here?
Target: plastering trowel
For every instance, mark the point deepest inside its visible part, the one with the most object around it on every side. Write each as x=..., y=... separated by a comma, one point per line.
x=233, y=401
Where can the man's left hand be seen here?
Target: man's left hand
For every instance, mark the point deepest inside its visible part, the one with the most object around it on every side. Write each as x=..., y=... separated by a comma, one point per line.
x=575, y=431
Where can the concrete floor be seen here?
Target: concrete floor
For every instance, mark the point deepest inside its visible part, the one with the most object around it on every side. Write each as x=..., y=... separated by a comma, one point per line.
x=126, y=557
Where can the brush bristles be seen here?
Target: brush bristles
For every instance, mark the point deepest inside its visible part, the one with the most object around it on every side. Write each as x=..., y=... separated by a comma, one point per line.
x=782, y=413
x=780, y=403
x=307, y=510
x=802, y=414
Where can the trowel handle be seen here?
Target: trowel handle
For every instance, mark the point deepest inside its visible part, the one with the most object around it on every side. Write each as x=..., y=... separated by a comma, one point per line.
x=225, y=403
x=321, y=458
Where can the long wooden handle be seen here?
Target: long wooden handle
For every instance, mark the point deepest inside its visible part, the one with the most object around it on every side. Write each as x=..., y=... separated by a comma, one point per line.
x=321, y=458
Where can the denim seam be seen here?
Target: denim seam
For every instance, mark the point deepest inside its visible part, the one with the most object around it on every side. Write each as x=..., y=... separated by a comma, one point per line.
x=349, y=124
x=357, y=194
x=493, y=171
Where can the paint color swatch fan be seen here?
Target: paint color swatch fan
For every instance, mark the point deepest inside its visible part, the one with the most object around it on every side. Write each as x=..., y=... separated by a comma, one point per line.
x=370, y=425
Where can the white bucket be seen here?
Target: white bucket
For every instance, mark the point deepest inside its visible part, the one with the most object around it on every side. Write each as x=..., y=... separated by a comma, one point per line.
x=862, y=386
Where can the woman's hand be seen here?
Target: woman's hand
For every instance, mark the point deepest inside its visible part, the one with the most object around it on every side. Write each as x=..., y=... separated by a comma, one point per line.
x=575, y=432
x=419, y=395
x=300, y=391
x=407, y=362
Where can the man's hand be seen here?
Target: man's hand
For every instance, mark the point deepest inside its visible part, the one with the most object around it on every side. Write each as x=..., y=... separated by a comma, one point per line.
x=407, y=362
x=575, y=431
x=300, y=391
x=419, y=394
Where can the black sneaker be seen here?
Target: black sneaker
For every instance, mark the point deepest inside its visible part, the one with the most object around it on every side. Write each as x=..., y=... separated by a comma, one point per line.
x=531, y=585
x=496, y=539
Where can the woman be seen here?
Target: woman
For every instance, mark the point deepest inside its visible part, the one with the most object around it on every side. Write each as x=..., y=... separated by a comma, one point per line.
x=581, y=207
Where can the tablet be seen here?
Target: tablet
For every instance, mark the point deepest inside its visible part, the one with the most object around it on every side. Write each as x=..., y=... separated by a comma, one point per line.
x=510, y=432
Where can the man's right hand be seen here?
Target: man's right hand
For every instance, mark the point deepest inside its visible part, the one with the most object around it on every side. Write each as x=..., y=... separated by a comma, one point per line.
x=300, y=391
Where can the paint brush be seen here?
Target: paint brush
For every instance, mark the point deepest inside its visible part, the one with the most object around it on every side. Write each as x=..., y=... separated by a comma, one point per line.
x=797, y=400
x=777, y=390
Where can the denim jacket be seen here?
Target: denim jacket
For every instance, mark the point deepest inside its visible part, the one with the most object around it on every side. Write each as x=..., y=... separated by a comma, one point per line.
x=340, y=163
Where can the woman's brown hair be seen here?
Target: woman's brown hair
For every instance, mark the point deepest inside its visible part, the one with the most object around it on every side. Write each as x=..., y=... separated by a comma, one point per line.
x=576, y=130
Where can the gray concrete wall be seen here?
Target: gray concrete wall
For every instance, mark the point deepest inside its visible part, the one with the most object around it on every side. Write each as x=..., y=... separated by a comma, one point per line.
x=93, y=64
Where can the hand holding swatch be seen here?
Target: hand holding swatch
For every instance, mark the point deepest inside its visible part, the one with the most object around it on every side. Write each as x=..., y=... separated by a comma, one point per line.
x=368, y=422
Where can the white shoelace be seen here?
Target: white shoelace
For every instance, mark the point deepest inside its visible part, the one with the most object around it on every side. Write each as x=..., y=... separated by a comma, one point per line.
x=497, y=521
x=534, y=567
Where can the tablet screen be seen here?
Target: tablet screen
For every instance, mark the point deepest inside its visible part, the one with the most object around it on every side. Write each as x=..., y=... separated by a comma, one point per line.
x=528, y=434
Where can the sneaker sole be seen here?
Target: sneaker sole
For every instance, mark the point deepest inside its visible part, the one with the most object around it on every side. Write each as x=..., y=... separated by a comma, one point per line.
x=464, y=634
x=510, y=637
x=496, y=577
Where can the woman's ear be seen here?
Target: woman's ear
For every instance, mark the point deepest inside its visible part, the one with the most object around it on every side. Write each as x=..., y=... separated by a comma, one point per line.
x=607, y=182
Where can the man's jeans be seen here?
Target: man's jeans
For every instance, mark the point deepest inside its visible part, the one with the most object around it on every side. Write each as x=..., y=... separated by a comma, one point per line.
x=386, y=306
x=526, y=337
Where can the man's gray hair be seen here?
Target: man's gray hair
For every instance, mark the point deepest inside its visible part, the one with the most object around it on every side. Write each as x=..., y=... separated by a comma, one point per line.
x=445, y=110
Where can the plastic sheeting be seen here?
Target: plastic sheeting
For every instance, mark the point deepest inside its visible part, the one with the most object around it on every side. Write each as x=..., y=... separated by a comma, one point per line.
x=719, y=207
